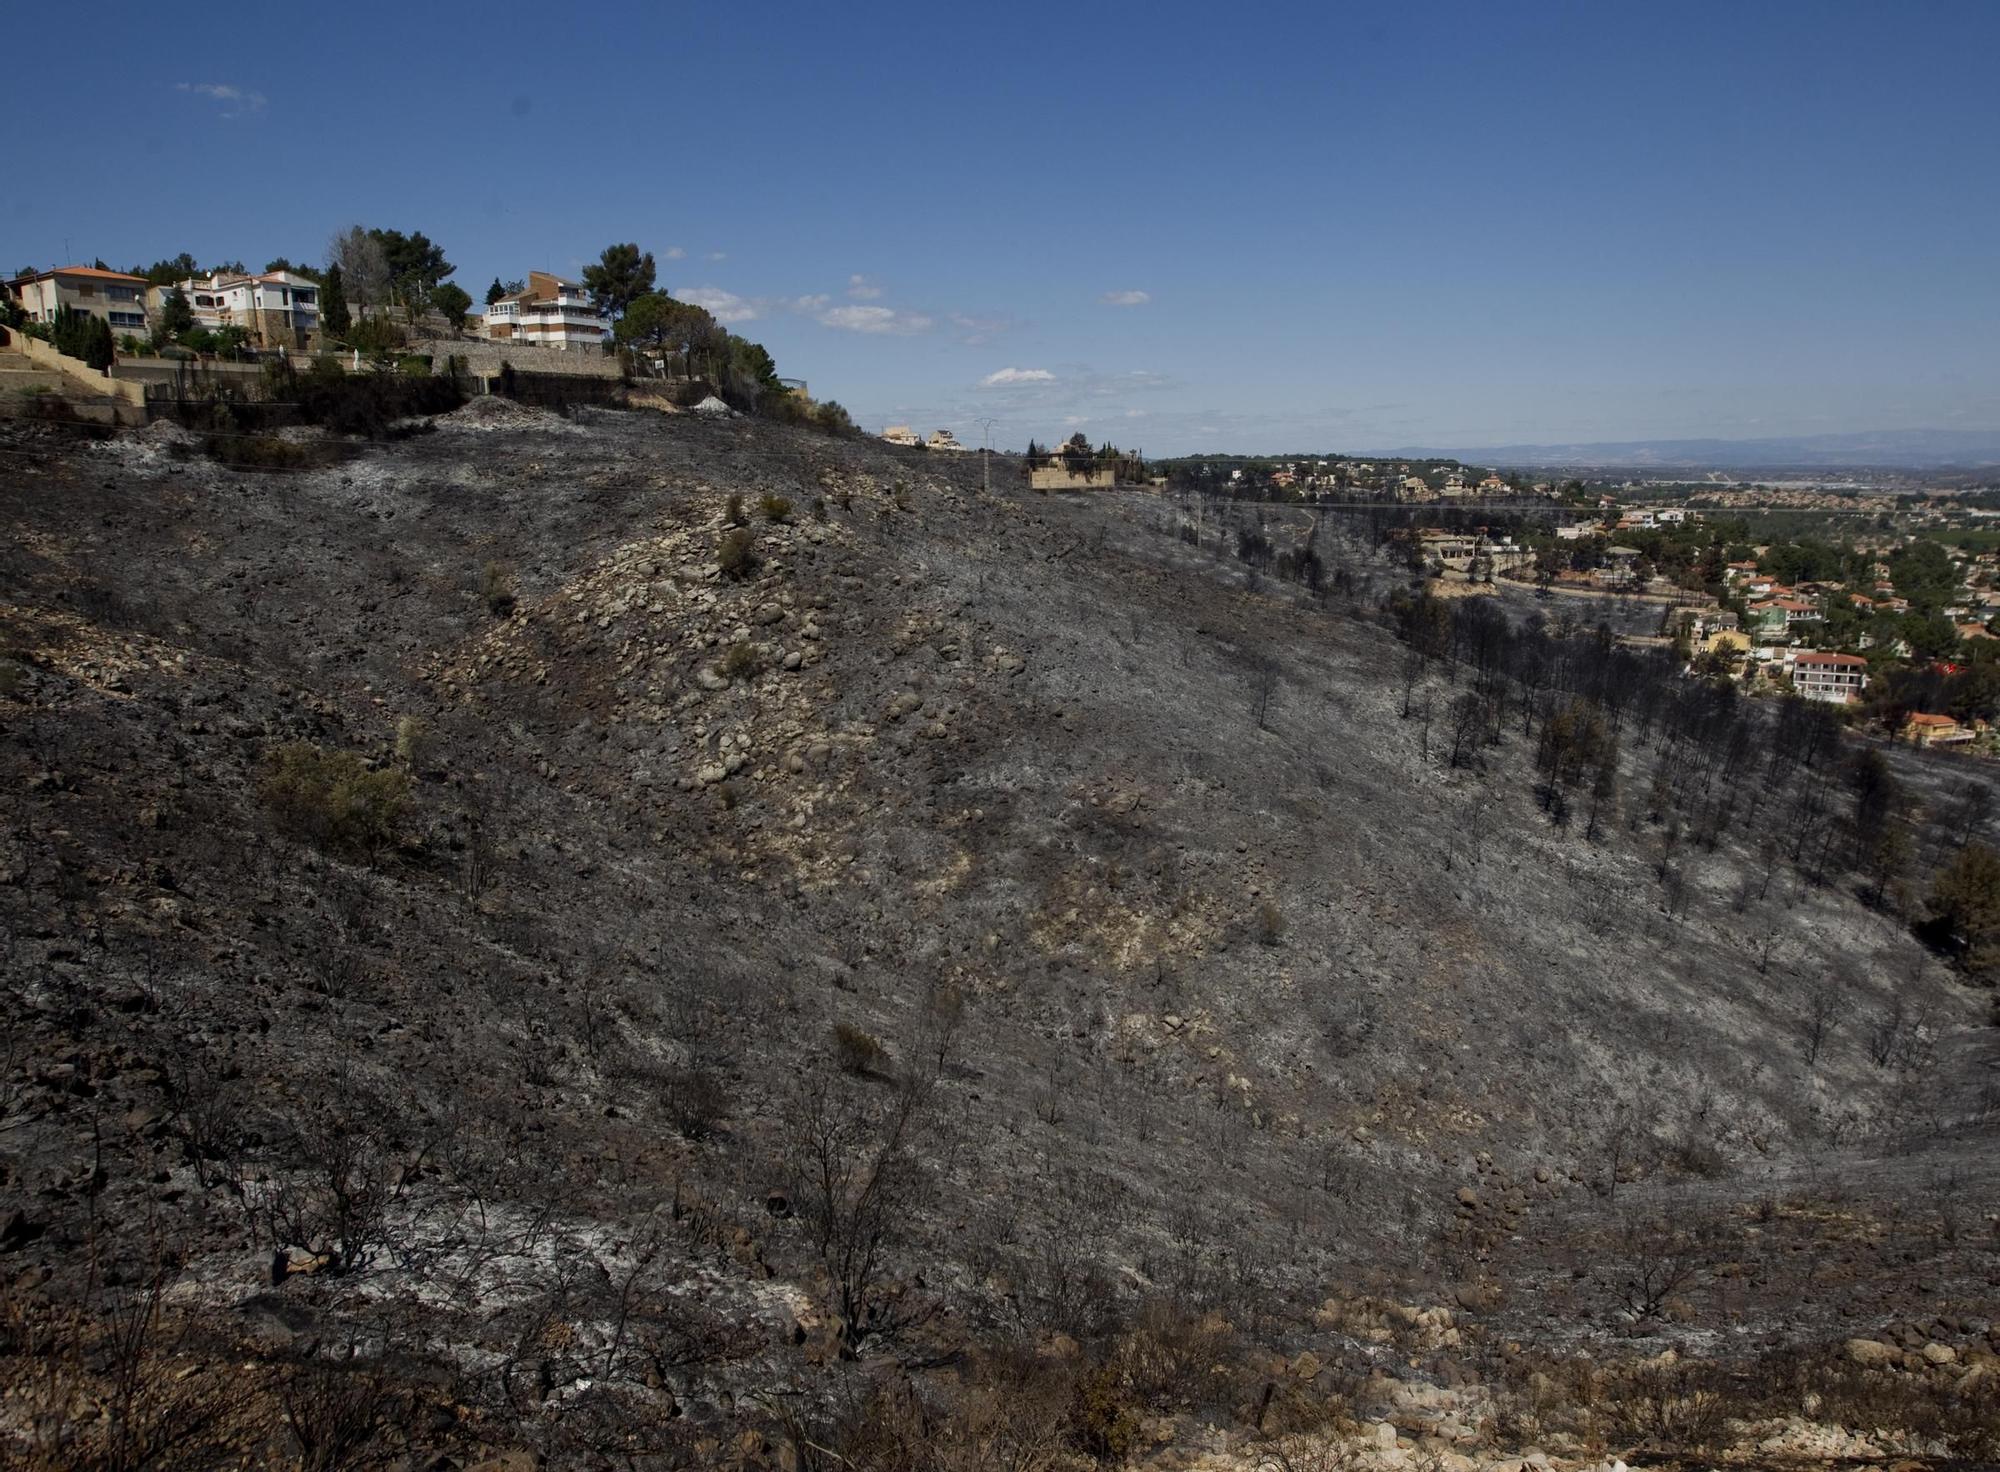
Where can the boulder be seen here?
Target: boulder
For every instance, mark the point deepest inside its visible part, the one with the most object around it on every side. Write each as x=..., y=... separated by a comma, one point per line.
x=1871, y=1353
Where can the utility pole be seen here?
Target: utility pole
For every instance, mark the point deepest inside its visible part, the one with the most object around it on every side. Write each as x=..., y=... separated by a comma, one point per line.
x=986, y=454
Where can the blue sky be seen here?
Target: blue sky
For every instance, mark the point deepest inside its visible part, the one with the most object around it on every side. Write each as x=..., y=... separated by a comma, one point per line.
x=1178, y=227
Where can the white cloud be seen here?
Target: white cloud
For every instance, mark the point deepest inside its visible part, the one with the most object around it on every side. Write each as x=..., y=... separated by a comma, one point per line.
x=1007, y=377
x=862, y=289
x=673, y=253
x=234, y=101
x=718, y=255
x=1126, y=298
x=817, y=302
x=875, y=320
x=727, y=307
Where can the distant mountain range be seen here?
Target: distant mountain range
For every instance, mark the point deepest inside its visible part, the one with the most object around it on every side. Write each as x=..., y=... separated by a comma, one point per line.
x=1915, y=449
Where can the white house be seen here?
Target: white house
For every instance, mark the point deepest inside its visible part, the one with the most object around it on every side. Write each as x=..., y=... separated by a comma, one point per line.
x=279, y=309
x=1836, y=678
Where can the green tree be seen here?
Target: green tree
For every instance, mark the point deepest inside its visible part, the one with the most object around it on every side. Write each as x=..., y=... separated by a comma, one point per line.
x=166, y=273
x=1964, y=908
x=620, y=277
x=453, y=301
x=415, y=266
x=495, y=292
x=1930, y=636
x=656, y=322
x=333, y=318
x=176, y=316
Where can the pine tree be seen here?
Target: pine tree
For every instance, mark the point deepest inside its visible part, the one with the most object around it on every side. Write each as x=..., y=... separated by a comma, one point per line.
x=176, y=316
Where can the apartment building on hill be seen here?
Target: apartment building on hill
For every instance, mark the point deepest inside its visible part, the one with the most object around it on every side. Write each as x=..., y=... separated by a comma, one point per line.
x=552, y=312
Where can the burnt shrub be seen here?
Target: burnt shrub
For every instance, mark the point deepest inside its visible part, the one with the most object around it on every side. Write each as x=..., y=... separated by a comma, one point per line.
x=370, y=404
x=264, y=452
x=496, y=588
x=696, y=1101
x=775, y=509
x=736, y=555
x=332, y=798
x=857, y=1051
x=743, y=662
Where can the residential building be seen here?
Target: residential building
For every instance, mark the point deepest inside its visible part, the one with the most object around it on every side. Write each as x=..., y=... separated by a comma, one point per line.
x=278, y=309
x=941, y=439
x=116, y=297
x=901, y=434
x=551, y=312
x=1837, y=679
x=1921, y=728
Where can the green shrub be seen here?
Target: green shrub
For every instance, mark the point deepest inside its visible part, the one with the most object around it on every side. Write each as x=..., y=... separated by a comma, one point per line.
x=819, y=508
x=331, y=798
x=737, y=555
x=742, y=662
x=857, y=1051
x=1270, y=924
x=1103, y=1421
x=413, y=739
x=375, y=336
x=775, y=508
x=732, y=510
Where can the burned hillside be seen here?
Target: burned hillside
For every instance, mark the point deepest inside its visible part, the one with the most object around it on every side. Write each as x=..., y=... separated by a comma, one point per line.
x=647, y=941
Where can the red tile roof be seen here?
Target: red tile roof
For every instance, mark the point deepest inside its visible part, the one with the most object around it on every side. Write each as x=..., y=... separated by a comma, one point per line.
x=90, y=271
x=1837, y=661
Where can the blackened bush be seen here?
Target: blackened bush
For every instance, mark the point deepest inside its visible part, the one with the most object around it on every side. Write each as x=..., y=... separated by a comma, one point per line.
x=742, y=662
x=260, y=452
x=737, y=555
x=696, y=1101
x=368, y=404
x=775, y=508
x=496, y=588
x=857, y=1051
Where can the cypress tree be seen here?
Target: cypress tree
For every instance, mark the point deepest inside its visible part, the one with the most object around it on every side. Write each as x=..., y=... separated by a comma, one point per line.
x=333, y=318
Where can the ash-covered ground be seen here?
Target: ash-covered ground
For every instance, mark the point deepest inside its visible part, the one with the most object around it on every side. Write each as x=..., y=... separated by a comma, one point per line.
x=644, y=941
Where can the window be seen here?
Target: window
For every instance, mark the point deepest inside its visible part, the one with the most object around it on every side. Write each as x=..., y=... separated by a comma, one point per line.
x=121, y=293
x=128, y=319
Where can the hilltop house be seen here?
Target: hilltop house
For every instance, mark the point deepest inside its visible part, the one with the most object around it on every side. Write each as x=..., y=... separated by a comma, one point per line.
x=116, y=297
x=941, y=439
x=277, y=309
x=901, y=434
x=551, y=312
